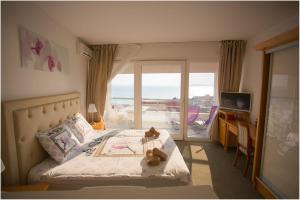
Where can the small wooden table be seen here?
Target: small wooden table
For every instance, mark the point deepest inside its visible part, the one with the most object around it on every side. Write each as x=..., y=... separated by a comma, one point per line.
x=98, y=125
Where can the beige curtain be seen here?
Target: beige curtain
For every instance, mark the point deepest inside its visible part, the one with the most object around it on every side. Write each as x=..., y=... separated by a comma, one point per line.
x=230, y=70
x=99, y=72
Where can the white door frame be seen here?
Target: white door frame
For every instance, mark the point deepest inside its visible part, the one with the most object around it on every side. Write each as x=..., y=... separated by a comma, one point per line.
x=184, y=92
x=186, y=98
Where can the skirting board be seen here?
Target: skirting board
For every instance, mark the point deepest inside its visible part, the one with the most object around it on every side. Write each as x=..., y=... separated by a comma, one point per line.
x=264, y=190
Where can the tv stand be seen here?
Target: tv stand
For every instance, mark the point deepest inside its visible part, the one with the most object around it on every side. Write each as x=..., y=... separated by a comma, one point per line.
x=228, y=120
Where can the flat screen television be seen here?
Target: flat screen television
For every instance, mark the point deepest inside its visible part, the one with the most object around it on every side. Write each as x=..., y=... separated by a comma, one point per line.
x=236, y=101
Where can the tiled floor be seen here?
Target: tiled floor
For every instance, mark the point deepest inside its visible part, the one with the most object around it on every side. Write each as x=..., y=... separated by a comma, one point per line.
x=195, y=131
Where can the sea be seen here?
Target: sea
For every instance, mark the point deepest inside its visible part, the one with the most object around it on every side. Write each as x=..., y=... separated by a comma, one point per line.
x=123, y=94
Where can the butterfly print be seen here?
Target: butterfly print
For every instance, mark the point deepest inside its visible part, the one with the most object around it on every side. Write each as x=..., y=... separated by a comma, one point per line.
x=38, y=47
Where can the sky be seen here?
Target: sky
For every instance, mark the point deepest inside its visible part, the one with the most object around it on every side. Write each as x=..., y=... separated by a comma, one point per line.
x=165, y=79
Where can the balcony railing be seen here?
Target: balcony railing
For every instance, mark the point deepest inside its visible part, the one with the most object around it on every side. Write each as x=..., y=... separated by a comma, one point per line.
x=161, y=113
x=166, y=104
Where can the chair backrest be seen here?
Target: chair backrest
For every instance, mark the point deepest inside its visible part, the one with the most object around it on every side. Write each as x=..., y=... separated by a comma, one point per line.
x=193, y=112
x=211, y=114
x=243, y=135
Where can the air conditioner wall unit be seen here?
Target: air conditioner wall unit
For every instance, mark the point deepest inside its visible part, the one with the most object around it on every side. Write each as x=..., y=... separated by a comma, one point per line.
x=83, y=50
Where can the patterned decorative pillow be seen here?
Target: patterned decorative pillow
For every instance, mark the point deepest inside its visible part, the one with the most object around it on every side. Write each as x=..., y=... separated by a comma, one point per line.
x=59, y=142
x=79, y=126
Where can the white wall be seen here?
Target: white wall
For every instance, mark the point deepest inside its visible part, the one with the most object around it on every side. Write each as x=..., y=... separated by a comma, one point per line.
x=18, y=82
x=209, y=52
x=204, y=51
x=252, y=72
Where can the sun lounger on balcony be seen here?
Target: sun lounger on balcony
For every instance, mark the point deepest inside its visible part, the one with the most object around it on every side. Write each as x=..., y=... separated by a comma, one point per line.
x=204, y=124
x=193, y=113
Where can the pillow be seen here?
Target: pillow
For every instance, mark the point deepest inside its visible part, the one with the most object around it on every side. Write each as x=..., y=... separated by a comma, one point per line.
x=85, y=125
x=79, y=126
x=73, y=128
x=59, y=143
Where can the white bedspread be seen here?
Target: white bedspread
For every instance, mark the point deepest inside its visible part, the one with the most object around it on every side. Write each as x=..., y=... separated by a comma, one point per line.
x=83, y=167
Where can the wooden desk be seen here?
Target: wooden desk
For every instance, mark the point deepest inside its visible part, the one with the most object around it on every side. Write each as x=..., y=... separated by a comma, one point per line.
x=228, y=128
x=233, y=128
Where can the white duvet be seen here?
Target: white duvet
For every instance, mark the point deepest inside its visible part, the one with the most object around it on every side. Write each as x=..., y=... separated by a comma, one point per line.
x=83, y=167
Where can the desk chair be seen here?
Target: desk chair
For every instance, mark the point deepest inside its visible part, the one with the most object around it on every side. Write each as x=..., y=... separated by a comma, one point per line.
x=243, y=145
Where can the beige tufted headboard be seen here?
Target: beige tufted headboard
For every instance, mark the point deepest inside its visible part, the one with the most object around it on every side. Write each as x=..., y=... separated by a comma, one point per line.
x=21, y=120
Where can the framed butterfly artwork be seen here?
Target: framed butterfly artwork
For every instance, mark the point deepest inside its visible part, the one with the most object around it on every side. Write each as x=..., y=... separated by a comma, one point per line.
x=40, y=53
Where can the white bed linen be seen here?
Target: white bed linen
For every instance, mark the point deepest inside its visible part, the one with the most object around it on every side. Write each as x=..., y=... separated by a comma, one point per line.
x=83, y=167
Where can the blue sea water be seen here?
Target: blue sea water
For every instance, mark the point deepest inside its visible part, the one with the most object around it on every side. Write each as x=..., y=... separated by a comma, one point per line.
x=156, y=92
x=148, y=92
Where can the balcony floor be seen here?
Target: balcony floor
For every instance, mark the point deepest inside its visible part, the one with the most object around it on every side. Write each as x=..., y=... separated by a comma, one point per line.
x=160, y=119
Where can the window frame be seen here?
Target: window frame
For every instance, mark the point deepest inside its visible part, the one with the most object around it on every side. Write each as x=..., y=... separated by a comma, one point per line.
x=184, y=91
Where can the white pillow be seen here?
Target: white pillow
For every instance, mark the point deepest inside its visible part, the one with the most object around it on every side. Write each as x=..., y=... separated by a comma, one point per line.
x=59, y=143
x=71, y=126
x=79, y=126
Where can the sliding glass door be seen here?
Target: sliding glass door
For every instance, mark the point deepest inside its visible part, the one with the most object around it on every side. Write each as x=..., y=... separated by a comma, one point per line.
x=161, y=96
x=280, y=155
x=201, y=99
x=165, y=95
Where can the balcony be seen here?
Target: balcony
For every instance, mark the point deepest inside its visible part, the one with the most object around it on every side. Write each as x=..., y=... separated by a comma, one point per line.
x=161, y=114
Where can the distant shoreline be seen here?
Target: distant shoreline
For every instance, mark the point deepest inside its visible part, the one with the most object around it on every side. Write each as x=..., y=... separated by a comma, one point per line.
x=163, y=92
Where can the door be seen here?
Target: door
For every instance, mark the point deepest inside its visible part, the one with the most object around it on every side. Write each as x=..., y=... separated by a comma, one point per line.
x=280, y=155
x=201, y=81
x=160, y=99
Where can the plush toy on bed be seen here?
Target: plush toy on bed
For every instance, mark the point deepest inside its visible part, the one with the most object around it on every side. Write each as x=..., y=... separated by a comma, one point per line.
x=152, y=132
x=155, y=156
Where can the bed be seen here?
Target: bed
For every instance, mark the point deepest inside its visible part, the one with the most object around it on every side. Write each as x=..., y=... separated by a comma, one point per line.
x=27, y=163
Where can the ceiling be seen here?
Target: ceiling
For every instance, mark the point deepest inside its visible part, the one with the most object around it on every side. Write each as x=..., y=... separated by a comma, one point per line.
x=143, y=22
